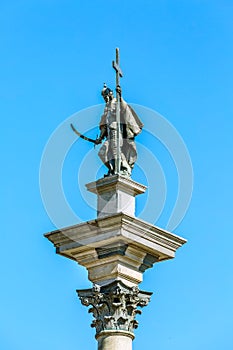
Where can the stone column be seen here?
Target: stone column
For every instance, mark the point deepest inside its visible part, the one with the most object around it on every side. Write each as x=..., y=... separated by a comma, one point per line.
x=116, y=248
x=114, y=340
x=114, y=307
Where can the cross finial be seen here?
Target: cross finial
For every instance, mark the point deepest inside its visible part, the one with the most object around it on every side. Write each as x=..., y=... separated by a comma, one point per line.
x=116, y=66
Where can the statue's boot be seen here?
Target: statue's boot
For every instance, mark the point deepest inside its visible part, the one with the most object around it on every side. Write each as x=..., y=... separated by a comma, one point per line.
x=125, y=167
x=112, y=163
x=110, y=168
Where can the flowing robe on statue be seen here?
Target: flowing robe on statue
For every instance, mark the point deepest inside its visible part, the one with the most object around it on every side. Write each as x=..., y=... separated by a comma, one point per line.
x=130, y=126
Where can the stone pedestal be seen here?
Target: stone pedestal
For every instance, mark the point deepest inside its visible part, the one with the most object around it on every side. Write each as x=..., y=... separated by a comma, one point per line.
x=115, y=194
x=116, y=248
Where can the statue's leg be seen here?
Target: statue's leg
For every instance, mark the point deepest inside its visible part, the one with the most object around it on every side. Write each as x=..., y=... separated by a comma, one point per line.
x=128, y=156
x=112, y=148
x=125, y=167
x=103, y=154
x=130, y=152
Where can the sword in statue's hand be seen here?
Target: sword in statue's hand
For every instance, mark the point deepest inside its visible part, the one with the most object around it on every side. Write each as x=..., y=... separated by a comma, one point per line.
x=96, y=141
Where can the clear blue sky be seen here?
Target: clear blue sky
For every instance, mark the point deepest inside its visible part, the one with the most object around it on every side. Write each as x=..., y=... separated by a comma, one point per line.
x=177, y=58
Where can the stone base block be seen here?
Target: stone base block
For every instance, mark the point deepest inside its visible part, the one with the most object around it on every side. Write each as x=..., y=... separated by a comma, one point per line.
x=115, y=194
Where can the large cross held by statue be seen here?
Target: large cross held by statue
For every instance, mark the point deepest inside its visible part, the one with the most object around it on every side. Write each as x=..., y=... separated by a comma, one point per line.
x=116, y=66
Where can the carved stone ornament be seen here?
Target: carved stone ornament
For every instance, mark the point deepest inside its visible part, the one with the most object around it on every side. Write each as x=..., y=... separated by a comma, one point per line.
x=114, y=306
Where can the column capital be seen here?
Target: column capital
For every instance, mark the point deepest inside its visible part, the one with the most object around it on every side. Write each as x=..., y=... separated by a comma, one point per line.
x=114, y=306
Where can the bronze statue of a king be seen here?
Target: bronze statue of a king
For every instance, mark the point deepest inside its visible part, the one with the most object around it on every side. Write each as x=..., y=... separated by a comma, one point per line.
x=119, y=125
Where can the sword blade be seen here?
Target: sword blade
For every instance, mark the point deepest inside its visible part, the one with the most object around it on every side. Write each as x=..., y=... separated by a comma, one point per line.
x=80, y=135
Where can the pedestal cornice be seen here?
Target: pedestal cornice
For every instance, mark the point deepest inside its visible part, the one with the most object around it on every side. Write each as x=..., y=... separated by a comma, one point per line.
x=116, y=247
x=117, y=182
x=95, y=232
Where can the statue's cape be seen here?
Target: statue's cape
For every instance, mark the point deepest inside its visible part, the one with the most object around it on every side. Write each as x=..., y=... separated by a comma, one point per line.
x=136, y=117
x=128, y=116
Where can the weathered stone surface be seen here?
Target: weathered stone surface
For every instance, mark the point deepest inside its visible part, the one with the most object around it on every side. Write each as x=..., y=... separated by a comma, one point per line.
x=116, y=247
x=115, y=194
x=114, y=306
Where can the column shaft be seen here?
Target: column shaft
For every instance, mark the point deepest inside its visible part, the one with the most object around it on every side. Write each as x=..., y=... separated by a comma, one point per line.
x=108, y=341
